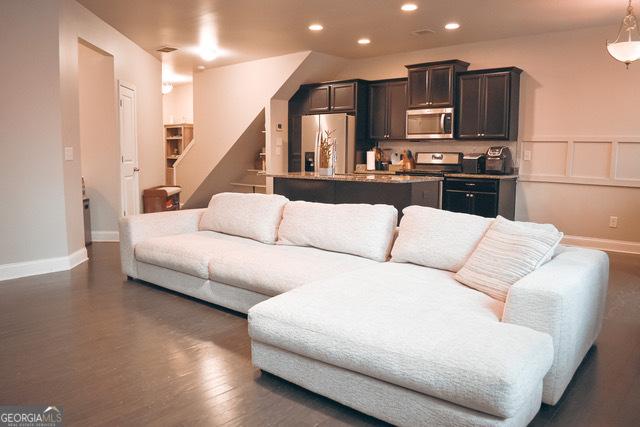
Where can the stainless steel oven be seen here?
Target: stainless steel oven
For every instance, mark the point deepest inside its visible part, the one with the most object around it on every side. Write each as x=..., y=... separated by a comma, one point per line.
x=430, y=123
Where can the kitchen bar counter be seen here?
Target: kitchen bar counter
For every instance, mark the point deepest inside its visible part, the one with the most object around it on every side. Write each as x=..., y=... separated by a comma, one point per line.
x=352, y=188
x=359, y=177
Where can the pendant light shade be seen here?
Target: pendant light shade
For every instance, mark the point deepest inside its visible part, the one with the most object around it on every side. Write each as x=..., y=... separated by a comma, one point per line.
x=626, y=47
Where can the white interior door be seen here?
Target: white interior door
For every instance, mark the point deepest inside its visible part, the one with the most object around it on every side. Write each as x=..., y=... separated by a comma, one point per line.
x=129, y=171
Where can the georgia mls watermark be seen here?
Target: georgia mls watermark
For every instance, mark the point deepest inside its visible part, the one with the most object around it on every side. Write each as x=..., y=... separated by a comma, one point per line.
x=30, y=416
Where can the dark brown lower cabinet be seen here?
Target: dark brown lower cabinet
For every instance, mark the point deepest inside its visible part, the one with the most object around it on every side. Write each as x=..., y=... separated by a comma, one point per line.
x=399, y=195
x=483, y=197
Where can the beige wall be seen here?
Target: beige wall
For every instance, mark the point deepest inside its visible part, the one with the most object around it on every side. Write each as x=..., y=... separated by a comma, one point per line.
x=177, y=105
x=571, y=90
x=33, y=224
x=100, y=159
x=131, y=64
x=42, y=216
x=226, y=101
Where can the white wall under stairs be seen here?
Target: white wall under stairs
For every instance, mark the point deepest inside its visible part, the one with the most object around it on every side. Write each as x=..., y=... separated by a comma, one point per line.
x=228, y=100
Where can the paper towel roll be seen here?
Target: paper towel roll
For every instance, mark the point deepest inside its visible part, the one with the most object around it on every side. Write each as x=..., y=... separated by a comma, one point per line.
x=371, y=160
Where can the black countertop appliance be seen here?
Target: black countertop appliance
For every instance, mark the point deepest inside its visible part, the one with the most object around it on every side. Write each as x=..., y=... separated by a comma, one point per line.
x=473, y=163
x=499, y=161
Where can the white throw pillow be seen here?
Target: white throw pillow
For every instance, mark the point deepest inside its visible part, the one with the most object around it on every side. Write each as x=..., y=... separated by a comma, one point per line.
x=507, y=252
x=358, y=229
x=437, y=238
x=255, y=216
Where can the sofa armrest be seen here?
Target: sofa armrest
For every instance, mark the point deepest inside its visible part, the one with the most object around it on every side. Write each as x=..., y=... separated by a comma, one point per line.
x=137, y=228
x=564, y=298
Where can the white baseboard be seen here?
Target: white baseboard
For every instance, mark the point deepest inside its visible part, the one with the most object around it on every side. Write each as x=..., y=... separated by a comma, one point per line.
x=105, y=236
x=603, y=244
x=42, y=266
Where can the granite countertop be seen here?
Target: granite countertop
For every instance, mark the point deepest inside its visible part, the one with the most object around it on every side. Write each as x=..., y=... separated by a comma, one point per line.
x=360, y=177
x=480, y=176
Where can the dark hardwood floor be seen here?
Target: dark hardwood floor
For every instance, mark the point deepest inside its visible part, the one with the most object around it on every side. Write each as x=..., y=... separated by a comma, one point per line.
x=113, y=352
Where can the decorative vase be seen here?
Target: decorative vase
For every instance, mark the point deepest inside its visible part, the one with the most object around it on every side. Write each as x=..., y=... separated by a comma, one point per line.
x=326, y=155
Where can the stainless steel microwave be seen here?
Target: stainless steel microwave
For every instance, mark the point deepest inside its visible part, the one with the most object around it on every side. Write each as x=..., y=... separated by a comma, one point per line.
x=430, y=123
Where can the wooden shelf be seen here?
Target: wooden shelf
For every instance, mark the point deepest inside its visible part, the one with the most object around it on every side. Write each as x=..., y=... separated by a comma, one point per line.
x=176, y=138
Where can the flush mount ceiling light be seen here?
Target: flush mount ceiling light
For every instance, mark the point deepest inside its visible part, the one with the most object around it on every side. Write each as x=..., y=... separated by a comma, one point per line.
x=208, y=54
x=409, y=7
x=626, y=47
x=166, y=88
x=452, y=26
x=364, y=41
x=200, y=67
x=315, y=27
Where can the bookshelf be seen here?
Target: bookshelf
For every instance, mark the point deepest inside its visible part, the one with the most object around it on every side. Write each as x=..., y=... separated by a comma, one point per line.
x=176, y=139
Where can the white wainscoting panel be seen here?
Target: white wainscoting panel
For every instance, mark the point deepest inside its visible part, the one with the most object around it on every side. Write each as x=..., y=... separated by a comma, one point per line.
x=628, y=161
x=607, y=161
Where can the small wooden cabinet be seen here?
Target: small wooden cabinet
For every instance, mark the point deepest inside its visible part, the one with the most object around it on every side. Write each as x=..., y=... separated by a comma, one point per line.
x=480, y=196
x=388, y=109
x=487, y=104
x=335, y=97
x=432, y=84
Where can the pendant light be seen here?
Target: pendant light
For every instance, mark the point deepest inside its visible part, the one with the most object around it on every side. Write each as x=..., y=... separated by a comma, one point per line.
x=626, y=47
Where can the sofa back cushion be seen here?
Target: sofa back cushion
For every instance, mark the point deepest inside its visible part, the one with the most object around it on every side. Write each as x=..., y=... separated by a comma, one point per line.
x=357, y=229
x=255, y=216
x=437, y=238
x=508, y=252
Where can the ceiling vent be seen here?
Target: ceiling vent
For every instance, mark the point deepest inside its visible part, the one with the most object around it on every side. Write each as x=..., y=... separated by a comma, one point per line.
x=422, y=32
x=166, y=49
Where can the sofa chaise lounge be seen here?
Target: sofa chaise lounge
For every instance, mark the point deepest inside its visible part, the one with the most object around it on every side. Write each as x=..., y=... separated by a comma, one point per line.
x=403, y=341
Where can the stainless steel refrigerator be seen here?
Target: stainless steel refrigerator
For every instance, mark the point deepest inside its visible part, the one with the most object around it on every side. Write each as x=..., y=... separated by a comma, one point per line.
x=344, y=131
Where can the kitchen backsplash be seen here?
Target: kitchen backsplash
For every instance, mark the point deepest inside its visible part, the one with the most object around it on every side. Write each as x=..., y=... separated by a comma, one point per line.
x=449, y=146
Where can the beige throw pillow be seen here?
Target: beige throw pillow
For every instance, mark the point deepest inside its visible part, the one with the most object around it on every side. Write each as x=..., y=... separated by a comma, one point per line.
x=507, y=252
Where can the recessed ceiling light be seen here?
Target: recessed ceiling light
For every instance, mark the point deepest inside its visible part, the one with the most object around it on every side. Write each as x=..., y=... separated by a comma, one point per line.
x=364, y=41
x=316, y=27
x=208, y=54
x=201, y=67
x=452, y=26
x=409, y=7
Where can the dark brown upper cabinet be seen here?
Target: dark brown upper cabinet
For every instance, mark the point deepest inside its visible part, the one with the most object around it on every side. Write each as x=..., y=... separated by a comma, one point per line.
x=318, y=100
x=343, y=97
x=487, y=104
x=335, y=97
x=388, y=109
x=433, y=84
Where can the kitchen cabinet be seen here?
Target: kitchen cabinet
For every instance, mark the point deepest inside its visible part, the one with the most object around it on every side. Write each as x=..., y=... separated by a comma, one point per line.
x=337, y=97
x=432, y=84
x=387, y=109
x=318, y=100
x=480, y=196
x=487, y=104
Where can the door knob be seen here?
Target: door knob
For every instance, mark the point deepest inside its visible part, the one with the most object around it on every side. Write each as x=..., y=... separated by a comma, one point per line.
x=136, y=169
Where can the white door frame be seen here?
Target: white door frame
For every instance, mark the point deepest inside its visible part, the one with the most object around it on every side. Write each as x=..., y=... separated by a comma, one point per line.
x=136, y=180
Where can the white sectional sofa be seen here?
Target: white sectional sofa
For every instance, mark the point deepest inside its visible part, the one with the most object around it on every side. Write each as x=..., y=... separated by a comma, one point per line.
x=401, y=341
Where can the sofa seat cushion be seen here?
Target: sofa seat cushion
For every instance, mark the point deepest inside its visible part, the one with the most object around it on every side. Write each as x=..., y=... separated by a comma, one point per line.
x=414, y=327
x=272, y=270
x=188, y=253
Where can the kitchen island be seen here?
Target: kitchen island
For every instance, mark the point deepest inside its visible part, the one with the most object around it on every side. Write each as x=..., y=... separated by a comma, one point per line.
x=396, y=190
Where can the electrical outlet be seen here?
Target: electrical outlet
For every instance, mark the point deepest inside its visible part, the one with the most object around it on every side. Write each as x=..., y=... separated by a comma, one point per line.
x=68, y=153
x=527, y=155
x=613, y=222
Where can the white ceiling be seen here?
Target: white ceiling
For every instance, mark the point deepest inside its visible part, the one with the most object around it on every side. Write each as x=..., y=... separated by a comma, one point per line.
x=250, y=29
